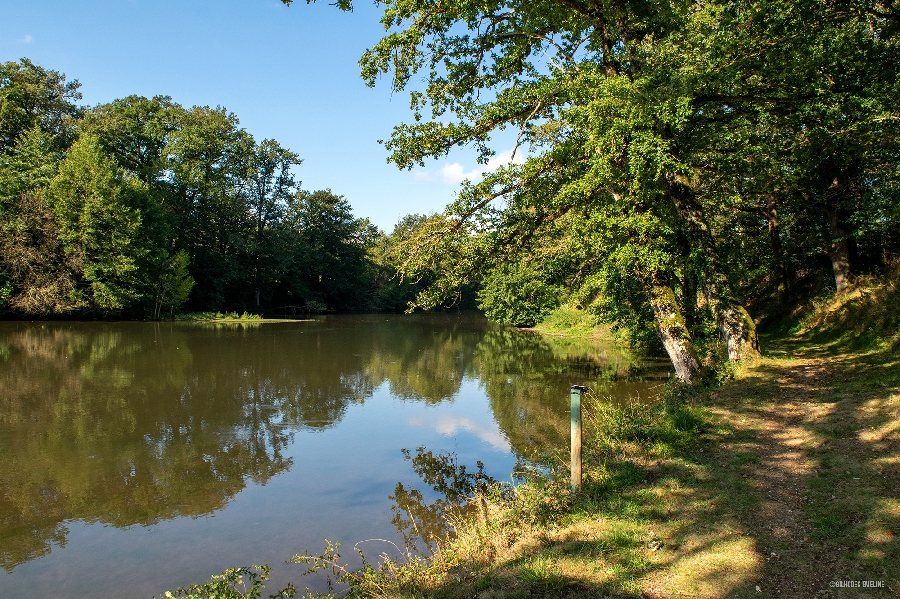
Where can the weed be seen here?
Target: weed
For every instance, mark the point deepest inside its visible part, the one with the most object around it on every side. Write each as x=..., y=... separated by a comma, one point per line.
x=235, y=583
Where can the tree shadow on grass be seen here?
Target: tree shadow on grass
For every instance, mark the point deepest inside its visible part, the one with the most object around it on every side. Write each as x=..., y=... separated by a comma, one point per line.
x=825, y=426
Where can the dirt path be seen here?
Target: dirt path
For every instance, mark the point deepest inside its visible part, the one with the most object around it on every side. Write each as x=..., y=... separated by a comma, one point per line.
x=805, y=429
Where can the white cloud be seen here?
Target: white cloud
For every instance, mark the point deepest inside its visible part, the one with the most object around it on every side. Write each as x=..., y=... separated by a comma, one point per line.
x=450, y=425
x=454, y=173
x=27, y=39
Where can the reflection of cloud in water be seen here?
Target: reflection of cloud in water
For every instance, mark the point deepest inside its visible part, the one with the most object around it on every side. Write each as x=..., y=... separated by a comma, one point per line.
x=449, y=425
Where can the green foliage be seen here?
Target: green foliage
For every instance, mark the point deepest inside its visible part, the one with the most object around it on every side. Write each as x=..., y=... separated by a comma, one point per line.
x=668, y=426
x=332, y=266
x=571, y=321
x=517, y=296
x=30, y=164
x=218, y=316
x=99, y=212
x=34, y=97
x=234, y=583
x=6, y=290
x=329, y=561
x=135, y=132
x=315, y=307
x=387, y=254
x=38, y=276
x=726, y=154
x=157, y=205
x=174, y=284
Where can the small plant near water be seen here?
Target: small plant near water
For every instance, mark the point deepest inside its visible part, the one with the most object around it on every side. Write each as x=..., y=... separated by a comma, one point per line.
x=316, y=307
x=329, y=561
x=234, y=583
x=572, y=322
x=365, y=581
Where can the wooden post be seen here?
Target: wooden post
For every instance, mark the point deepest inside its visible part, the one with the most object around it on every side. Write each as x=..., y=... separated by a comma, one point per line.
x=575, y=402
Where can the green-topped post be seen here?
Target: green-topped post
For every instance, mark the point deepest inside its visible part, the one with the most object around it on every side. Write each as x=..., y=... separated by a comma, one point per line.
x=575, y=394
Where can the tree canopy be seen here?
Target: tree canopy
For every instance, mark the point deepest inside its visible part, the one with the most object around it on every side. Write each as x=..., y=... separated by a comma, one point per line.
x=701, y=158
x=688, y=169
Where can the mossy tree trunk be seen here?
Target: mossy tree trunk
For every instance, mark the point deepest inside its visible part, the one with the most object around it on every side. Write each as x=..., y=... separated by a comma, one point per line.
x=672, y=328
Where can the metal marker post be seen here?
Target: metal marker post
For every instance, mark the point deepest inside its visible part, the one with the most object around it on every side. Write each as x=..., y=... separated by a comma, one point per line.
x=575, y=401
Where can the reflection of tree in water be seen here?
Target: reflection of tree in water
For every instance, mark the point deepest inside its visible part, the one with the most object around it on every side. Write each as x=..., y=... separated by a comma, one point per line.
x=131, y=423
x=98, y=423
x=134, y=423
x=428, y=361
x=419, y=521
x=526, y=378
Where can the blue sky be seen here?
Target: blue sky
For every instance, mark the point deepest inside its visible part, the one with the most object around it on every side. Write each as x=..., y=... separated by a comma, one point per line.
x=288, y=73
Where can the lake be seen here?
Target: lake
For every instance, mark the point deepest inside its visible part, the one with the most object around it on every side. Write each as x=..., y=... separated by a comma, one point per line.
x=138, y=457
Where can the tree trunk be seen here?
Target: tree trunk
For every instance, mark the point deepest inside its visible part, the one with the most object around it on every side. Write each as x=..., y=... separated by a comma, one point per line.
x=783, y=285
x=735, y=325
x=738, y=330
x=839, y=251
x=672, y=329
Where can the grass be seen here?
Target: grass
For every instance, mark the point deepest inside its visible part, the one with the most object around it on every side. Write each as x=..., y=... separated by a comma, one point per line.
x=569, y=321
x=230, y=318
x=218, y=317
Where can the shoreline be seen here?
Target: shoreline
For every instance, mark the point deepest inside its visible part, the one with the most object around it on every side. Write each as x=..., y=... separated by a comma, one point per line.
x=730, y=492
x=782, y=482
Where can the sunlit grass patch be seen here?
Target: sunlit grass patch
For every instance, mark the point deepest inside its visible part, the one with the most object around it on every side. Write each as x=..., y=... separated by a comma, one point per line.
x=865, y=317
x=709, y=566
x=570, y=321
x=542, y=570
x=218, y=317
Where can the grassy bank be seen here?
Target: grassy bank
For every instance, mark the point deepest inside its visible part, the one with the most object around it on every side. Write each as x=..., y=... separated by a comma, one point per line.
x=244, y=318
x=572, y=322
x=217, y=317
x=784, y=482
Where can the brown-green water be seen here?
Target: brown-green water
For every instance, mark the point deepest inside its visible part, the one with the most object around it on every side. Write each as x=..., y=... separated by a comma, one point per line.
x=137, y=457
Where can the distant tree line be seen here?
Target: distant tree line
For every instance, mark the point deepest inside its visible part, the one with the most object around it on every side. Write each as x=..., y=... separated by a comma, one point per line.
x=141, y=206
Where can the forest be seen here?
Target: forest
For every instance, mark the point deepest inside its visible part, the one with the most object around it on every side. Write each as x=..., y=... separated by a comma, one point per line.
x=141, y=207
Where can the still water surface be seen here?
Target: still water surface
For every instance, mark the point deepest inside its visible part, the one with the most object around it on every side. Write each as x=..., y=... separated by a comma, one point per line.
x=137, y=457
